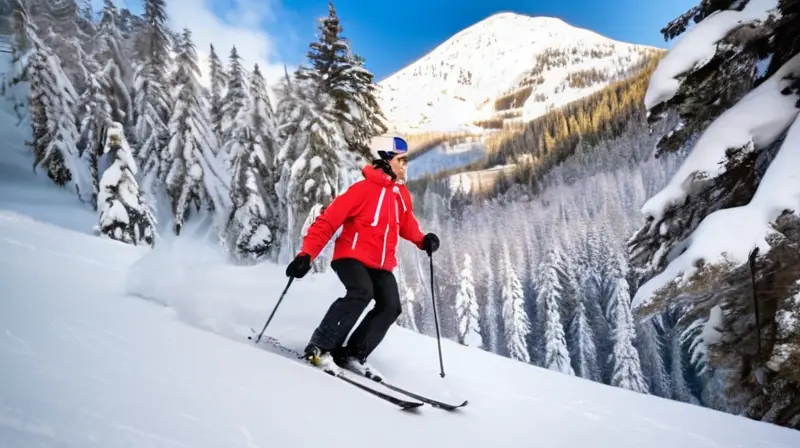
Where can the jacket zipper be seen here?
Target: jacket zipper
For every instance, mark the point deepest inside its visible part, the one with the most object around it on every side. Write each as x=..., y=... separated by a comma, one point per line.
x=355, y=240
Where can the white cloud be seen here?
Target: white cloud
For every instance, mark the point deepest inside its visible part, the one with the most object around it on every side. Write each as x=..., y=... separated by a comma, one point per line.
x=241, y=25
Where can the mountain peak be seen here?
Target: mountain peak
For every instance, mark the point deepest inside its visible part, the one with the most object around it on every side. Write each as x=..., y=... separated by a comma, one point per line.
x=507, y=16
x=529, y=64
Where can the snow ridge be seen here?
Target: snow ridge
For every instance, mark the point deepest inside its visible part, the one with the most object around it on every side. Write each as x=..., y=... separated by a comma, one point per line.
x=530, y=64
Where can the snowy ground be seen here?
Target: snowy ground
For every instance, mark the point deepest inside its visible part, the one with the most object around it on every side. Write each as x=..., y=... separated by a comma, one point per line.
x=103, y=344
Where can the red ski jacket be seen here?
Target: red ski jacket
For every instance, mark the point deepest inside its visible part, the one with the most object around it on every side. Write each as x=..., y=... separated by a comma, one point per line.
x=375, y=213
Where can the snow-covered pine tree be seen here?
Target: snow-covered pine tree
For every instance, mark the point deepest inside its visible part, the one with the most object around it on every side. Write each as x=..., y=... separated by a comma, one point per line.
x=116, y=69
x=651, y=354
x=194, y=176
x=752, y=86
x=254, y=228
x=218, y=80
x=571, y=292
x=408, y=298
x=309, y=157
x=52, y=100
x=265, y=121
x=555, y=355
x=516, y=322
x=124, y=215
x=152, y=105
x=68, y=32
x=105, y=97
x=680, y=388
x=364, y=117
x=583, y=352
x=492, y=322
x=235, y=100
x=467, y=314
x=94, y=115
x=627, y=370
x=341, y=74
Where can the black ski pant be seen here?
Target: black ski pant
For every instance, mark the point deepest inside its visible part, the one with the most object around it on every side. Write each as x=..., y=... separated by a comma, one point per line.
x=363, y=284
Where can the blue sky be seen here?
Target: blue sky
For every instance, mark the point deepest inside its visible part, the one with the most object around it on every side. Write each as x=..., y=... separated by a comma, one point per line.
x=393, y=34
x=390, y=34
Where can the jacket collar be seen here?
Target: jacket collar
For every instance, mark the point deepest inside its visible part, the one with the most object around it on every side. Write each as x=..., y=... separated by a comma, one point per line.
x=375, y=175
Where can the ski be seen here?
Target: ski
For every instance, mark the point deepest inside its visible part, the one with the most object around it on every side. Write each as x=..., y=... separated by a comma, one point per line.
x=430, y=401
x=403, y=404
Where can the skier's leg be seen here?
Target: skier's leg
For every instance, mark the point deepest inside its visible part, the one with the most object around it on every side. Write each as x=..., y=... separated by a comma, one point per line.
x=345, y=311
x=377, y=322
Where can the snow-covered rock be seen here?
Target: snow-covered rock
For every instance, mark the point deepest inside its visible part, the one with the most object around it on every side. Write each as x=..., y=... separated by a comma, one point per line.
x=508, y=65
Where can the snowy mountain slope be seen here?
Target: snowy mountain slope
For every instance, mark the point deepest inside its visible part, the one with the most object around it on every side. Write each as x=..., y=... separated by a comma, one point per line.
x=105, y=344
x=507, y=66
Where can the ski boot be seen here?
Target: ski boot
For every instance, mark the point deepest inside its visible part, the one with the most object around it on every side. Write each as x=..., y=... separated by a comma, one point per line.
x=361, y=367
x=321, y=359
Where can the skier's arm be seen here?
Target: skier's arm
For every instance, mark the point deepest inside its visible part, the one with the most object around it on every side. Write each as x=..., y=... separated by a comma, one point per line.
x=326, y=224
x=409, y=227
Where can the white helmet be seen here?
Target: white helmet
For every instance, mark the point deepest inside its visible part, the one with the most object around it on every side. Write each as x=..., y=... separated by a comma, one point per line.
x=387, y=146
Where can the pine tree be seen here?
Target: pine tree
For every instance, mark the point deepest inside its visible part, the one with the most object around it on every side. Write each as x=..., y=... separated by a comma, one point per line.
x=309, y=157
x=583, y=353
x=265, y=121
x=194, y=177
x=407, y=318
x=94, y=112
x=254, y=227
x=342, y=75
x=680, y=389
x=649, y=346
x=52, y=101
x=116, y=69
x=235, y=99
x=124, y=216
x=571, y=291
x=516, y=323
x=151, y=100
x=364, y=118
x=556, y=355
x=67, y=31
x=469, y=331
x=218, y=82
x=627, y=371
x=492, y=323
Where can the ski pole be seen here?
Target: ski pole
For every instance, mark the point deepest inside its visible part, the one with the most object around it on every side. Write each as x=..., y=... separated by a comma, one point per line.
x=436, y=319
x=273, y=311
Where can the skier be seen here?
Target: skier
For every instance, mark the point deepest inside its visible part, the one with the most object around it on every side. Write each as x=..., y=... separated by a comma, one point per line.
x=375, y=213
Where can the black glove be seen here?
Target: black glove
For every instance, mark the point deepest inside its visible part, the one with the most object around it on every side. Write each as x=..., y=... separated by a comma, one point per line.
x=299, y=267
x=430, y=243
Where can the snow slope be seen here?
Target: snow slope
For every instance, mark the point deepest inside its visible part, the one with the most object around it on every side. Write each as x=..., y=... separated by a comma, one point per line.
x=458, y=82
x=86, y=364
x=105, y=344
